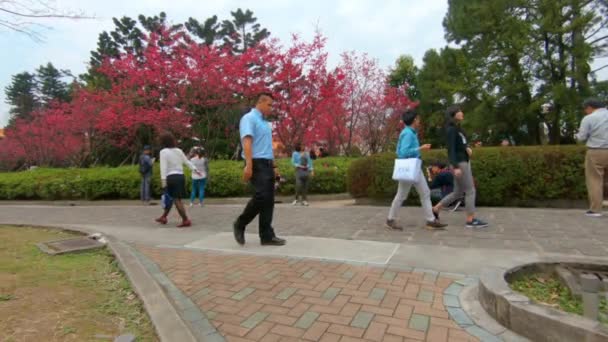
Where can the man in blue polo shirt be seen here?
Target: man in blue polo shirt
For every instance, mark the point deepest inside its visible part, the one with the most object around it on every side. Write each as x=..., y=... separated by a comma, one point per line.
x=256, y=138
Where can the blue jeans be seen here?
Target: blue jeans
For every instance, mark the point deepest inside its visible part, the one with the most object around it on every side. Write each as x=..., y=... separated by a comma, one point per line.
x=144, y=191
x=198, y=185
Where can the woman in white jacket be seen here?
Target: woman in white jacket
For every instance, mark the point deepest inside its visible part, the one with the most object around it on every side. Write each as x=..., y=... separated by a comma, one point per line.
x=172, y=177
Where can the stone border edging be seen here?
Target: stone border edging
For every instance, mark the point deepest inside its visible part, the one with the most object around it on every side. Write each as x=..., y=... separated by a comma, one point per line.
x=452, y=303
x=167, y=322
x=521, y=315
x=190, y=313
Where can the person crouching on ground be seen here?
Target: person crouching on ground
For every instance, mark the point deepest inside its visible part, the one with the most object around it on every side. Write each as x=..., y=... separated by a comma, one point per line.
x=172, y=177
x=409, y=147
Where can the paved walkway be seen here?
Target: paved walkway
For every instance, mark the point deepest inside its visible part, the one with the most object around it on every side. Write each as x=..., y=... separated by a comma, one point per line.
x=254, y=298
x=342, y=276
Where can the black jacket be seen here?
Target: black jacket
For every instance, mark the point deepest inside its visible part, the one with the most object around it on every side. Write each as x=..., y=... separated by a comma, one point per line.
x=457, y=145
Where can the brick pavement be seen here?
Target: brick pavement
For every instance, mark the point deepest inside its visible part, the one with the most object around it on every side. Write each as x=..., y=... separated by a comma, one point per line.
x=255, y=298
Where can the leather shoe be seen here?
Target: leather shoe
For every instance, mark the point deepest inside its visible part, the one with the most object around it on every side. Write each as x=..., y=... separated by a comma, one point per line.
x=239, y=234
x=275, y=241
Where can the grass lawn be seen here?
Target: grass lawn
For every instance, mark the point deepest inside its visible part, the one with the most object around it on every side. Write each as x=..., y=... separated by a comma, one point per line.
x=550, y=291
x=72, y=297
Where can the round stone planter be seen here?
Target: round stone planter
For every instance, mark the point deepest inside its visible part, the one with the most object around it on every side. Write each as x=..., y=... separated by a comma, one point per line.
x=529, y=319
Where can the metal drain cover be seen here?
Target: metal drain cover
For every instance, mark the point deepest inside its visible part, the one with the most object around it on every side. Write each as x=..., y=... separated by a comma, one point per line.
x=69, y=245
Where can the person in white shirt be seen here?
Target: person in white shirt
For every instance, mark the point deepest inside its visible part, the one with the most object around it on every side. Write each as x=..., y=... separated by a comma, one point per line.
x=172, y=177
x=199, y=181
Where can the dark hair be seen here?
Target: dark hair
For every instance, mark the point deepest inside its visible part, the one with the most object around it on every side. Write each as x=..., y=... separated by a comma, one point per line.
x=167, y=140
x=409, y=116
x=263, y=94
x=298, y=147
x=593, y=103
x=439, y=164
x=450, y=112
x=200, y=152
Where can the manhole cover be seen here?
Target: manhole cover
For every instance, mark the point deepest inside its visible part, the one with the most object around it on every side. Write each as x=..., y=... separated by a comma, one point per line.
x=69, y=245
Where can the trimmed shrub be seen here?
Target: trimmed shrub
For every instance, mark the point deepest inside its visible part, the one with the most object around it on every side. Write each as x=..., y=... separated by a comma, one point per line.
x=504, y=175
x=123, y=182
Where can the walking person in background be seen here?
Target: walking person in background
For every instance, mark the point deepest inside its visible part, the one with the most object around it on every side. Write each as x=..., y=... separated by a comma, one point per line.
x=146, y=165
x=594, y=133
x=409, y=147
x=172, y=177
x=459, y=155
x=199, y=181
x=260, y=170
x=302, y=161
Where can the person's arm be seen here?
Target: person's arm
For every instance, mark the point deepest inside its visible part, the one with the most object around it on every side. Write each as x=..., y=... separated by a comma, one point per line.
x=247, y=150
x=294, y=162
x=452, y=140
x=207, y=167
x=436, y=183
x=186, y=161
x=163, y=168
x=407, y=146
x=584, y=130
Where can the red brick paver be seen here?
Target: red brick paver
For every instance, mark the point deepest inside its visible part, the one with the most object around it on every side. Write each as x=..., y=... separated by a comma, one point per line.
x=255, y=298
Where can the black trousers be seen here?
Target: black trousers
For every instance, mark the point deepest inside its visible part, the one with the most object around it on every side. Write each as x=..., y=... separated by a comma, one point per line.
x=262, y=202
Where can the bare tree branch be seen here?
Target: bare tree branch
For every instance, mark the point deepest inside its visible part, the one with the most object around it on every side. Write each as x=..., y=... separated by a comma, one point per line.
x=13, y=11
x=600, y=68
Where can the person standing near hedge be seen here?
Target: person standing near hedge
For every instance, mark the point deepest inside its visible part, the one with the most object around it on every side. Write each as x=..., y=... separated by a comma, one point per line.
x=594, y=132
x=256, y=137
x=199, y=181
x=304, y=170
x=146, y=163
x=459, y=155
x=409, y=147
x=172, y=177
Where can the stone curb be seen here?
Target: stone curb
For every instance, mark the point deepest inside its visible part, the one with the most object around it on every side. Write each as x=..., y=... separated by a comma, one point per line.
x=452, y=302
x=196, y=320
x=522, y=315
x=167, y=322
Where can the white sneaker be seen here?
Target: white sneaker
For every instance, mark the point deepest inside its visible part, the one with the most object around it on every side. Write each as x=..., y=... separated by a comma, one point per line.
x=590, y=213
x=305, y=203
x=295, y=202
x=191, y=204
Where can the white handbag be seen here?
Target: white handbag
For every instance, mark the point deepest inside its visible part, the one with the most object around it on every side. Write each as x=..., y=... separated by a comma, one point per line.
x=407, y=170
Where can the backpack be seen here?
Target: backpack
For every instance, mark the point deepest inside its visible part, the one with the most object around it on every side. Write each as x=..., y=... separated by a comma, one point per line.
x=144, y=167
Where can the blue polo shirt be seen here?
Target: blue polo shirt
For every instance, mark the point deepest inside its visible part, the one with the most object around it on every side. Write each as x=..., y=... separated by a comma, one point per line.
x=253, y=124
x=408, y=145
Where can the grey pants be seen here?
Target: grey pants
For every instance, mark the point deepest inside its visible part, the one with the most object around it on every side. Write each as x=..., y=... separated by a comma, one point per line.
x=463, y=186
x=144, y=191
x=302, y=182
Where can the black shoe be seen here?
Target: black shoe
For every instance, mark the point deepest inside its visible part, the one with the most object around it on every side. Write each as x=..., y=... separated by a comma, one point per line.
x=239, y=234
x=275, y=241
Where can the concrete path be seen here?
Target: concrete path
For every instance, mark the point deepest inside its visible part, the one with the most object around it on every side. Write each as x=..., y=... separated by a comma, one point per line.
x=515, y=235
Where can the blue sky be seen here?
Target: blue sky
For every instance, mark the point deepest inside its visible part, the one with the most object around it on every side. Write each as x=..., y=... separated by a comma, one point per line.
x=384, y=29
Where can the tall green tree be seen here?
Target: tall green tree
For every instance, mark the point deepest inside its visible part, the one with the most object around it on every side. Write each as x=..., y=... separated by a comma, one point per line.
x=50, y=84
x=405, y=72
x=243, y=31
x=531, y=52
x=209, y=31
x=21, y=95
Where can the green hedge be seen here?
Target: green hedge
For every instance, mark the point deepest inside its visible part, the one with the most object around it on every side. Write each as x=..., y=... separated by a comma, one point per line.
x=123, y=182
x=504, y=175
